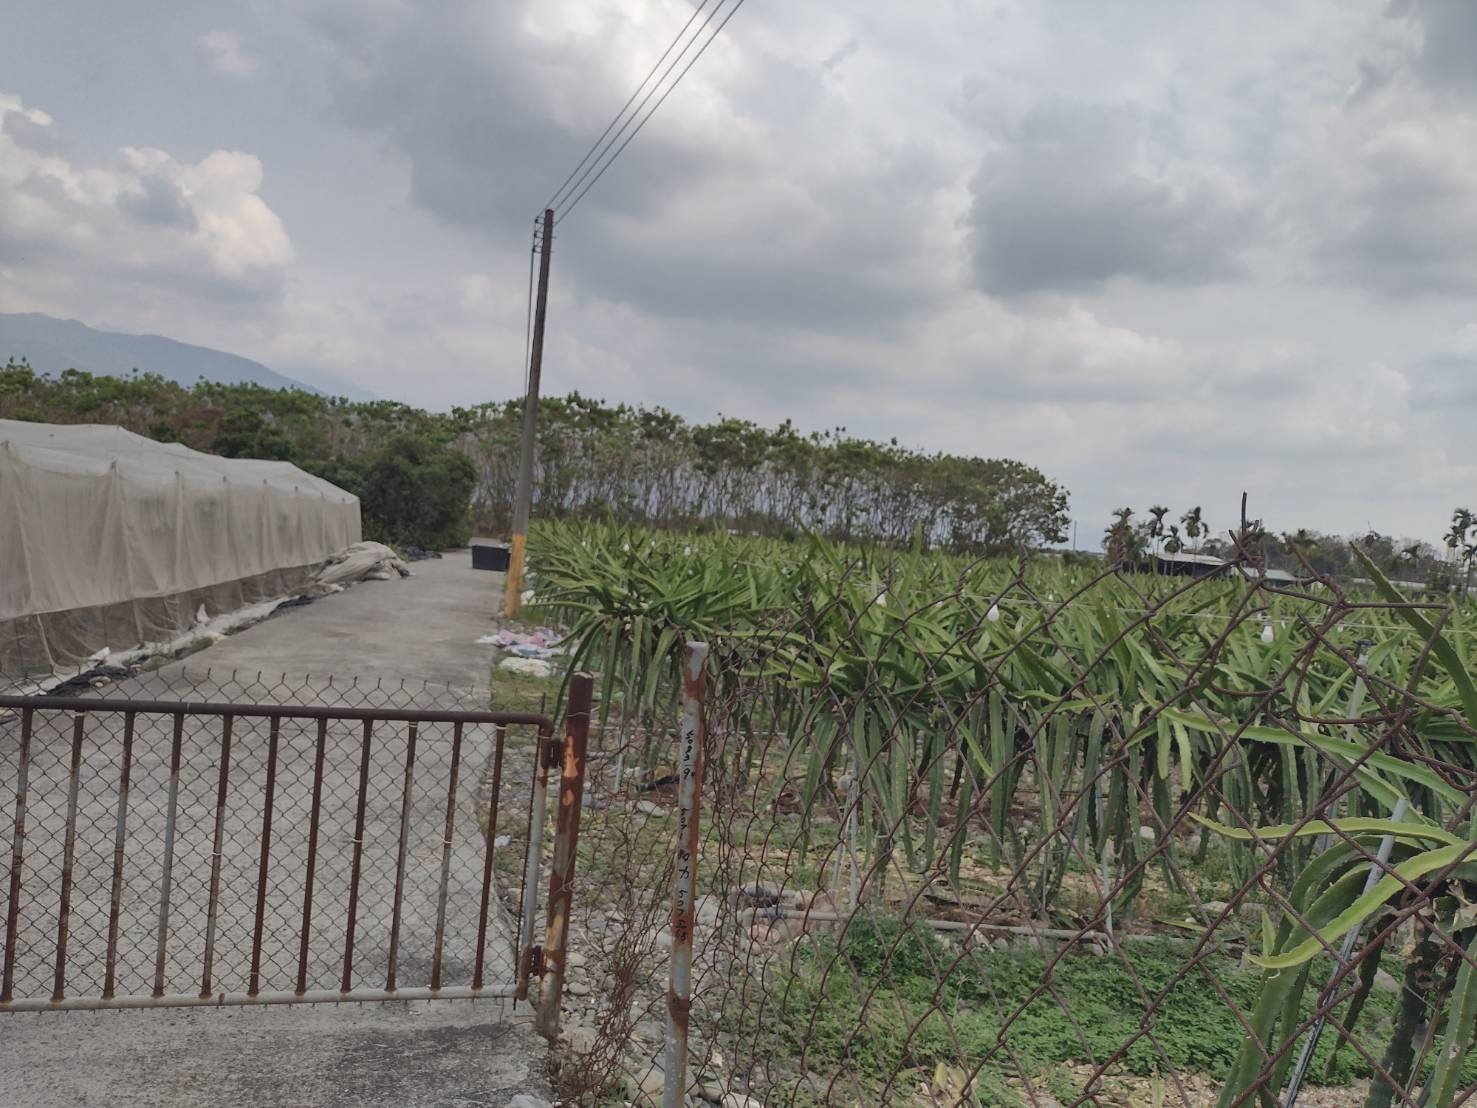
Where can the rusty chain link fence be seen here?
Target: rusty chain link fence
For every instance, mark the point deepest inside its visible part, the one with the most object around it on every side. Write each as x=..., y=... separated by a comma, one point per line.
x=224, y=837
x=1153, y=843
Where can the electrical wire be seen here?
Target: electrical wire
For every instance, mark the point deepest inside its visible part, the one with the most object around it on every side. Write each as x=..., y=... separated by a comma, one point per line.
x=558, y=193
x=647, y=117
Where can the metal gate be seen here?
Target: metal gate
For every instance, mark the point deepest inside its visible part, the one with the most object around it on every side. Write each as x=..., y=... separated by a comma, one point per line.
x=167, y=854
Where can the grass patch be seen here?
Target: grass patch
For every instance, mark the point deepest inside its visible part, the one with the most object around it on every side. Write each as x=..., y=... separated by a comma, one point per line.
x=884, y=998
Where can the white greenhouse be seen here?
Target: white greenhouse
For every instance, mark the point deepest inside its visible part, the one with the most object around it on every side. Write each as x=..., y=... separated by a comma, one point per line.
x=109, y=539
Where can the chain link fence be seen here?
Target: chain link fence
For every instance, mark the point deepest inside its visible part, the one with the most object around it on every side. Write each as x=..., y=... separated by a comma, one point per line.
x=1152, y=843
x=303, y=837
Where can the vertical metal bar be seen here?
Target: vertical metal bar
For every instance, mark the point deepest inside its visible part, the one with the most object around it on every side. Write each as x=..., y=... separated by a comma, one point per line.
x=533, y=860
x=346, y=982
x=120, y=837
x=69, y=857
x=689, y=796
x=456, y=754
x=166, y=875
x=400, y=857
x=212, y=908
x=254, y=982
x=499, y=738
x=566, y=844
x=17, y=857
x=313, y=818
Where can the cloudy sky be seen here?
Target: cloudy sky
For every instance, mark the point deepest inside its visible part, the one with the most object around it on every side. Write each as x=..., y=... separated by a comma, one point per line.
x=1164, y=251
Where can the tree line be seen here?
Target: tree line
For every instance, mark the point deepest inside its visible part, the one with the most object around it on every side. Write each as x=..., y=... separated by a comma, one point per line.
x=429, y=478
x=1130, y=538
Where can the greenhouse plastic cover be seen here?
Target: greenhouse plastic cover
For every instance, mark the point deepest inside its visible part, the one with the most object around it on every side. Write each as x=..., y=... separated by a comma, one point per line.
x=109, y=539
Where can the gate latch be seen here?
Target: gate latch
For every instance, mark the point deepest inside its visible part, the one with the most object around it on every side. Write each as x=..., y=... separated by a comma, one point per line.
x=535, y=961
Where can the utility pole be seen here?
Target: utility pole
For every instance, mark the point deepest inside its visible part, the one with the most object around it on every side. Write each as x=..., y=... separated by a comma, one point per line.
x=523, y=498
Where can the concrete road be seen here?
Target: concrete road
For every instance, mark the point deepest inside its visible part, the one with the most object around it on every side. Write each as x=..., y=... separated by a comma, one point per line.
x=390, y=636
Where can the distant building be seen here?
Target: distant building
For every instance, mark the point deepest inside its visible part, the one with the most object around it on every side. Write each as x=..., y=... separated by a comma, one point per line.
x=1184, y=565
x=1211, y=565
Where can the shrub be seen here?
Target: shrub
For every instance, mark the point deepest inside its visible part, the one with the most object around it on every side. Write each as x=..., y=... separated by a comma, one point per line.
x=412, y=492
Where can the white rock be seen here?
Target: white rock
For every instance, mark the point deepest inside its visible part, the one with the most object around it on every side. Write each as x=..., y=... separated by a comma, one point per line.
x=647, y=808
x=738, y=1100
x=523, y=1100
x=1215, y=907
x=526, y=667
x=574, y=960
x=577, y=988
x=1146, y=833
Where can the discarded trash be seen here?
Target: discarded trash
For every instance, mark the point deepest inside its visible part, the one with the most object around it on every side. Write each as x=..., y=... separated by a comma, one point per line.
x=542, y=643
x=526, y=667
x=502, y=840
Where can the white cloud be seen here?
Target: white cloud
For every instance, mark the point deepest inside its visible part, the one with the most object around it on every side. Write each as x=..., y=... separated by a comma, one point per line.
x=226, y=52
x=200, y=229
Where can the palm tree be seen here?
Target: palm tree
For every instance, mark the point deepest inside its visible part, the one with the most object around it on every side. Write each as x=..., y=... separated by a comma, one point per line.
x=1462, y=521
x=1118, y=537
x=1173, y=545
x=1156, y=526
x=1194, y=525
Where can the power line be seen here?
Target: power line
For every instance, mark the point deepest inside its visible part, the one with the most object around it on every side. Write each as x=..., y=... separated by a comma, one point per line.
x=558, y=193
x=646, y=118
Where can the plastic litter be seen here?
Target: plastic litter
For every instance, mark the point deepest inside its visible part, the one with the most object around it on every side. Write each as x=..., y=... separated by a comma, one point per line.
x=543, y=643
x=526, y=667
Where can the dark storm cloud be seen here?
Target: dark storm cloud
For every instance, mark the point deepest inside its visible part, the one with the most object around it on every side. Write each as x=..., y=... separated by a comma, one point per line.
x=1411, y=224
x=159, y=203
x=1071, y=200
x=1448, y=40
x=488, y=118
x=786, y=234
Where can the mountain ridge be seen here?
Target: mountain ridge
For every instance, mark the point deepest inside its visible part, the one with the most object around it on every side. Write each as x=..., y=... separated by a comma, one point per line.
x=52, y=345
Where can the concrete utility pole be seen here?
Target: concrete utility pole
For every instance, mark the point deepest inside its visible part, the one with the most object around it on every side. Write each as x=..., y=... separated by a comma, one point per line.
x=523, y=498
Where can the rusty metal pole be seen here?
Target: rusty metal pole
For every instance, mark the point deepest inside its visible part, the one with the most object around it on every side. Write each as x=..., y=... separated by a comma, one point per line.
x=689, y=795
x=566, y=842
x=523, y=498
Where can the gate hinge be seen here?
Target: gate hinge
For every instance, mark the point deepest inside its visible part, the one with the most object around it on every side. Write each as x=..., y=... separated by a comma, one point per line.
x=553, y=753
x=535, y=961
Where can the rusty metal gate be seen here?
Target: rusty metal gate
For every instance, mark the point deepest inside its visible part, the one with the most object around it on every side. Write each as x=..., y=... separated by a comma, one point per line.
x=167, y=854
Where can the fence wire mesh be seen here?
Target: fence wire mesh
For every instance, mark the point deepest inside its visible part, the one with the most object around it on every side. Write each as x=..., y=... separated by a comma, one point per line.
x=1155, y=842
x=305, y=853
